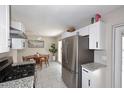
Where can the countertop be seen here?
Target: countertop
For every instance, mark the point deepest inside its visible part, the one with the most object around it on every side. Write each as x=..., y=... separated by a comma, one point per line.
x=26, y=82
x=23, y=63
x=93, y=66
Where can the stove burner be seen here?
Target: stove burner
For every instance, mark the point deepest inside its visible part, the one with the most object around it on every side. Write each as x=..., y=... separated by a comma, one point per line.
x=20, y=71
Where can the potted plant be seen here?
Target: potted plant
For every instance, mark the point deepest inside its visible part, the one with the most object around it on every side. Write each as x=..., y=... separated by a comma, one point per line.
x=53, y=50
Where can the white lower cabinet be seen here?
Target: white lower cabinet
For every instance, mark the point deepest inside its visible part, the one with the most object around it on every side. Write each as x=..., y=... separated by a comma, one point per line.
x=86, y=79
x=93, y=79
x=86, y=82
x=18, y=43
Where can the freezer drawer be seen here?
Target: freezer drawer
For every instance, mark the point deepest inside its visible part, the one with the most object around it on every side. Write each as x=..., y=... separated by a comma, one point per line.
x=69, y=78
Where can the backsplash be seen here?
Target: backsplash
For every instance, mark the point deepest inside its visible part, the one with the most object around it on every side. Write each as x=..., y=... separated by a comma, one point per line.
x=100, y=57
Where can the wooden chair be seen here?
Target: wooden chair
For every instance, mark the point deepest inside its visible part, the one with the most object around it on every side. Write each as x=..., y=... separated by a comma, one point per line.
x=26, y=58
x=47, y=59
x=44, y=58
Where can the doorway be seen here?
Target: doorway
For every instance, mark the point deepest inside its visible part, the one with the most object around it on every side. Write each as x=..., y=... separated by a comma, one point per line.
x=60, y=51
x=118, y=57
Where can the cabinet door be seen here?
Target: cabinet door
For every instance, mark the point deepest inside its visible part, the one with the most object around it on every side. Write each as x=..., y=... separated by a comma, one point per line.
x=93, y=43
x=18, y=43
x=96, y=36
x=86, y=82
x=4, y=28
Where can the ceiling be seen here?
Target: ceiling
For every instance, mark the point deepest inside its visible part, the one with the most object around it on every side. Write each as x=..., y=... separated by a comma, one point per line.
x=52, y=20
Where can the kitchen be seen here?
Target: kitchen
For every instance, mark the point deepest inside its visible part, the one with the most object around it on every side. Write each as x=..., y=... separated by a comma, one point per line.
x=84, y=52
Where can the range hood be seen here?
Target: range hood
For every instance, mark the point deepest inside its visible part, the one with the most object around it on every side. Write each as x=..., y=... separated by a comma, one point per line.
x=16, y=35
x=17, y=30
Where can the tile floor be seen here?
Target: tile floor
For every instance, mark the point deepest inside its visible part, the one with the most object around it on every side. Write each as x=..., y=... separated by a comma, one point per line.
x=50, y=76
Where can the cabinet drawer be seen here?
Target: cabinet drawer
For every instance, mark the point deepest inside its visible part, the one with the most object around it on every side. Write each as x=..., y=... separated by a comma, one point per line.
x=85, y=72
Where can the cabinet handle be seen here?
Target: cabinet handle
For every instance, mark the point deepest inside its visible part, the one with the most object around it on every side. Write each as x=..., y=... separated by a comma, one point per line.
x=9, y=43
x=89, y=83
x=23, y=44
x=85, y=70
x=96, y=44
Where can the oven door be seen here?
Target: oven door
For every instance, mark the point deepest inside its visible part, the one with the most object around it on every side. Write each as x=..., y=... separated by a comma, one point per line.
x=5, y=67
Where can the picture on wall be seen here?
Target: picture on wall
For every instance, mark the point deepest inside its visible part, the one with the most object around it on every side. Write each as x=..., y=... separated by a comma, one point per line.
x=35, y=44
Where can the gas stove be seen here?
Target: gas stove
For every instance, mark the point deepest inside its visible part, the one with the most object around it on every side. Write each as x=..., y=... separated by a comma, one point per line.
x=9, y=72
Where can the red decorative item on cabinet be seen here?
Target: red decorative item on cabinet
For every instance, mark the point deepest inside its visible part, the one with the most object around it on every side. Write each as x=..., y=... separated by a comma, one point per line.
x=97, y=17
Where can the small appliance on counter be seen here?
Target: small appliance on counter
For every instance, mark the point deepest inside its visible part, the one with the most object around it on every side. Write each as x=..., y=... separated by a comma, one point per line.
x=9, y=72
x=93, y=75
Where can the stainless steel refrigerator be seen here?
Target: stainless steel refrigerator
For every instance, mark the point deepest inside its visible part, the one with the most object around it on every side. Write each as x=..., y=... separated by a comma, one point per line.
x=74, y=53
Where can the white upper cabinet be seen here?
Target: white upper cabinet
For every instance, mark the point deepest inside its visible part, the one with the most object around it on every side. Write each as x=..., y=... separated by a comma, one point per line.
x=84, y=31
x=97, y=36
x=18, y=26
x=4, y=29
x=18, y=43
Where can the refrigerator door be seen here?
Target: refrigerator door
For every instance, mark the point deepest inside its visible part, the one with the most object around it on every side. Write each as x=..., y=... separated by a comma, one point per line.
x=69, y=54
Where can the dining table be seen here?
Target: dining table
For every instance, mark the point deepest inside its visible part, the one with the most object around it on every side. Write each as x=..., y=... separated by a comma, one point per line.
x=39, y=59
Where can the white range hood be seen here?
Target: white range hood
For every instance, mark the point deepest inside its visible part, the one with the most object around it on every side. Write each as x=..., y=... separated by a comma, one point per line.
x=17, y=27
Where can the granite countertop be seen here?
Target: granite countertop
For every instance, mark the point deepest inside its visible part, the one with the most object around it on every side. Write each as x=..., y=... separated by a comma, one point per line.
x=93, y=66
x=24, y=63
x=26, y=82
